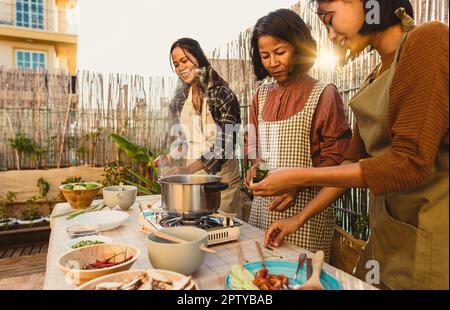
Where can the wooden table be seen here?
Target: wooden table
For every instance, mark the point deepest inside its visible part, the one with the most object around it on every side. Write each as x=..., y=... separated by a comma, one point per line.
x=212, y=273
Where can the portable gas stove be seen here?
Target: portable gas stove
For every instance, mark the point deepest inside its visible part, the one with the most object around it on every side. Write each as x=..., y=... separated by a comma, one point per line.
x=220, y=227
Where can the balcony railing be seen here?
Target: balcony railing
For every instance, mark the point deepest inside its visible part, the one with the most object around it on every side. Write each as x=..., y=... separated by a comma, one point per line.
x=54, y=20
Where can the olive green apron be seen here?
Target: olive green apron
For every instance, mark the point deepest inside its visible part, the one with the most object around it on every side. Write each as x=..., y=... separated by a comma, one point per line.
x=409, y=230
x=201, y=131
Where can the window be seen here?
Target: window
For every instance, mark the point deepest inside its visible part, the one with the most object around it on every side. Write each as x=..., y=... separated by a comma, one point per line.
x=30, y=13
x=30, y=59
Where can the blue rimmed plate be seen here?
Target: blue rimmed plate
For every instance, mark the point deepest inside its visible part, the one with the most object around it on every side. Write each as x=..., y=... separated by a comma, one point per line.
x=288, y=269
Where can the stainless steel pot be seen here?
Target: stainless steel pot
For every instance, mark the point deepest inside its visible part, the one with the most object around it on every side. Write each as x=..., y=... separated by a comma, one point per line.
x=191, y=196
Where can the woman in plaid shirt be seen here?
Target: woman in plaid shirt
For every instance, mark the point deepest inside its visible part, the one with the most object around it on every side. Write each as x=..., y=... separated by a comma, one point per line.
x=206, y=121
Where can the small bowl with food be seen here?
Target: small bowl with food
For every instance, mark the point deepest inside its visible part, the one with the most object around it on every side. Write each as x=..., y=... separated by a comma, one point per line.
x=86, y=263
x=87, y=241
x=150, y=279
x=80, y=195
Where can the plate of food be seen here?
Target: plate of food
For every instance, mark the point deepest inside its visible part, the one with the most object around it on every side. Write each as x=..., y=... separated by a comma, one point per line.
x=87, y=241
x=150, y=279
x=86, y=263
x=278, y=271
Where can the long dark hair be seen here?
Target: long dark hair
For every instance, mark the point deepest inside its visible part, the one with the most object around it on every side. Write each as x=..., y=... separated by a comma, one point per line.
x=208, y=77
x=287, y=26
x=387, y=13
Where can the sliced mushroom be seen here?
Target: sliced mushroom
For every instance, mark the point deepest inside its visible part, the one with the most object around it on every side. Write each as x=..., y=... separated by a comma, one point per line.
x=135, y=283
x=157, y=276
x=182, y=283
x=109, y=286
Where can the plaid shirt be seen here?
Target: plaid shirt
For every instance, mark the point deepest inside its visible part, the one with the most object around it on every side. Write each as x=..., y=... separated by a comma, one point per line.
x=225, y=110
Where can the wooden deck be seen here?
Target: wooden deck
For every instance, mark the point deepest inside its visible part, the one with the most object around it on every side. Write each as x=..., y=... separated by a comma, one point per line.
x=23, y=267
x=11, y=252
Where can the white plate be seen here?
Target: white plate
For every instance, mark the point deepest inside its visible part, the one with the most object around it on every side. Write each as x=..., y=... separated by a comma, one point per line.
x=108, y=220
x=130, y=274
x=71, y=242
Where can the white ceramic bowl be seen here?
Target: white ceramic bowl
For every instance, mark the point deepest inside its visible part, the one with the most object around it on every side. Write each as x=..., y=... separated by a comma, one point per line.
x=185, y=258
x=130, y=274
x=72, y=262
x=108, y=220
x=124, y=199
x=72, y=242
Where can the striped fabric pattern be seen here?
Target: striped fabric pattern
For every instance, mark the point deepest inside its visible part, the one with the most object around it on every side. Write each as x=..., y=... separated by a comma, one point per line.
x=287, y=144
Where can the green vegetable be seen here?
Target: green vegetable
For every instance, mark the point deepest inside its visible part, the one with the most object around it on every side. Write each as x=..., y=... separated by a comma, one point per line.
x=91, y=185
x=84, y=243
x=68, y=186
x=71, y=214
x=261, y=173
x=241, y=278
x=78, y=188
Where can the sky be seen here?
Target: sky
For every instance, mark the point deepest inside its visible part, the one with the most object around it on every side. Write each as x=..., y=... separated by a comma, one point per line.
x=134, y=36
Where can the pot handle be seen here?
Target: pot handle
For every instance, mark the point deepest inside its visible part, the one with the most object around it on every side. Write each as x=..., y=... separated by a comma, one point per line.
x=207, y=250
x=214, y=187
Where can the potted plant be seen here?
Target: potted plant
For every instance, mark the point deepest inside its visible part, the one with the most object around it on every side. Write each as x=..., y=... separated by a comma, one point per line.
x=6, y=220
x=31, y=214
x=30, y=227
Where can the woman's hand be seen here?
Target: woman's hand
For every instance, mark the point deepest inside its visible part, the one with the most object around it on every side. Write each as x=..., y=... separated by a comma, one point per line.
x=284, y=201
x=175, y=171
x=276, y=183
x=279, y=229
x=162, y=160
x=250, y=175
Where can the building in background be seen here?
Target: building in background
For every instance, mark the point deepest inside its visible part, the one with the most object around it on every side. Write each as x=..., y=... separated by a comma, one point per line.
x=39, y=34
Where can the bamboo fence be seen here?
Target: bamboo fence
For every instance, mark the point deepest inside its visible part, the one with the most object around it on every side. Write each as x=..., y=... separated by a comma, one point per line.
x=73, y=128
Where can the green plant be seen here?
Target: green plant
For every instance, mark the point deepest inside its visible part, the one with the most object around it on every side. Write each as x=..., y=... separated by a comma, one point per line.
x=27, y=147
x=115, y=173
x=142, y=156
x=30, y=201
x=10, y=197
x=31, y=212
x=145, y=185
x=4, y=212
x=44, y=187
x=72, y=180
x=138, y=154
x=81, y=152
x=5, y=215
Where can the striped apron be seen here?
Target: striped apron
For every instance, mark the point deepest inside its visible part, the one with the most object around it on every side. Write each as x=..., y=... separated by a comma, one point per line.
x=284, y=144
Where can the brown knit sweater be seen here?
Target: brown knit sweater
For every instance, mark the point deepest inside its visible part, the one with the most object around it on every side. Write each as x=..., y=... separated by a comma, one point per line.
x=417, y=112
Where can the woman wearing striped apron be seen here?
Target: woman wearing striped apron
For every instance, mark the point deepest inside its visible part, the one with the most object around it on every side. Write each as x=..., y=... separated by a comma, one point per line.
x=299, y=121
